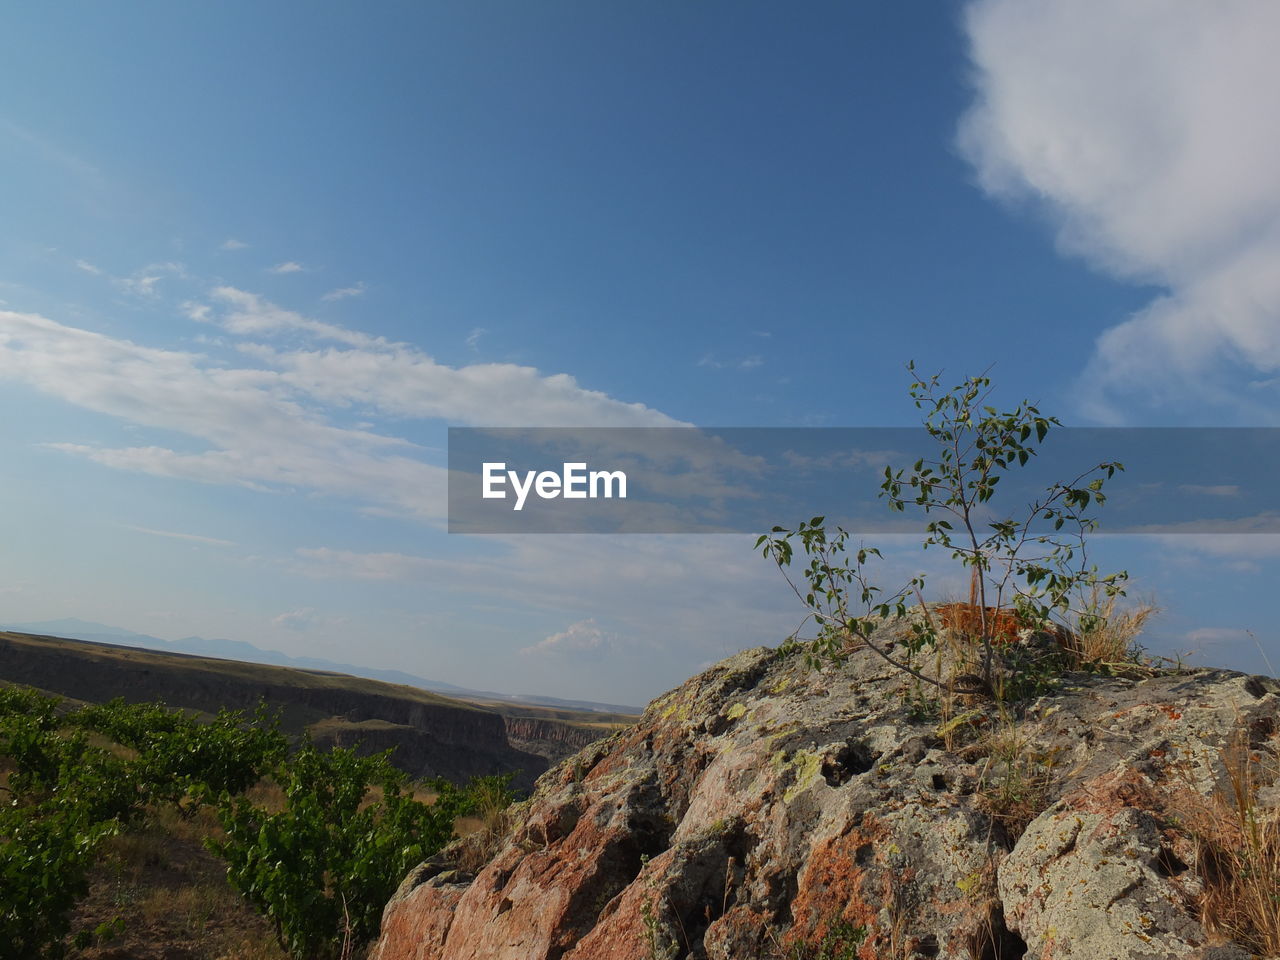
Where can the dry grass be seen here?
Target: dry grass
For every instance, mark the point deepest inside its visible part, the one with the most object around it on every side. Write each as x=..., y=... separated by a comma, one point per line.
x=266, y=795
x=1105, y=635
x=167, y=896
x=482, y=834
x=1017, y=781
x=1238, y=841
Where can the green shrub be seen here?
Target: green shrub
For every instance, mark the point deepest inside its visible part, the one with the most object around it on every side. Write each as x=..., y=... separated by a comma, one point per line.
x=179, y=755
x=49, y=765
x=45, y=854
x=323, y=868
x=63, y=794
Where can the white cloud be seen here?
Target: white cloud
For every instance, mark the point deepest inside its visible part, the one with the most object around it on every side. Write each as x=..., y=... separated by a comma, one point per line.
x=250, y=315
x=473, y=338
x=257, y=435
x=1149, y=136
x=231, y=243
x=402, y=381
x=342, y=293
x=296, y=619
x=269, y=428
x=289, y=266
x=88, y=267
x=583, y=637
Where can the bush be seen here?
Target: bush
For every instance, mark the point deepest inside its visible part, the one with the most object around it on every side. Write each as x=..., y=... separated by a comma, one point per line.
x=45, y=854
x=63, y=796
x=179, y=755
x=323, y=868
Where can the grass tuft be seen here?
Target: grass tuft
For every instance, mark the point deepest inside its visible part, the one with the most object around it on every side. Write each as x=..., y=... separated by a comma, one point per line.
x=1105, y=635
x=1017, y=781
x=1238, y=841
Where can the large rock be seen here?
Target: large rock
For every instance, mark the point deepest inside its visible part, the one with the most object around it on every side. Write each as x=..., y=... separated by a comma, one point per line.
x=765, y=810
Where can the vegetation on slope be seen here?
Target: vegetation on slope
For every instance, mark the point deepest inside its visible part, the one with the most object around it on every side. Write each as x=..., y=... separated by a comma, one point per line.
x=315, y=842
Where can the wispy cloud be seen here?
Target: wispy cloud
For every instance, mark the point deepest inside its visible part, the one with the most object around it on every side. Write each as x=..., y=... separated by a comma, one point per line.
x=713, y=362
x=329, y=563
x=1216, y=490
x=301, y=619
x=251, y=315
x=400, y=380
x=473, y=338
x=1152, y=142
x=231, y=243
x=194, y=538
x=144, y=282
x=289, y=266
x=343, y=293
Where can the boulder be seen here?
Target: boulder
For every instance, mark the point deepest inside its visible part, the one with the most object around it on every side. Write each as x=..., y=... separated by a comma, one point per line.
x=768, y=810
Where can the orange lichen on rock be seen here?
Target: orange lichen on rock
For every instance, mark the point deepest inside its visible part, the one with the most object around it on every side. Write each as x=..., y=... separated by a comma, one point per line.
x=971, y=619
x=1002, y=624
x=832, y=886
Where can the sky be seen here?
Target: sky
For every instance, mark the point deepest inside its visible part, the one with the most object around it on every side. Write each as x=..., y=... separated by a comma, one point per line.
x=256, y=258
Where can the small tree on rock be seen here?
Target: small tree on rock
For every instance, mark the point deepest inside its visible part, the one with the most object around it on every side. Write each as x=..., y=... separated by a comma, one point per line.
x=1033, y=562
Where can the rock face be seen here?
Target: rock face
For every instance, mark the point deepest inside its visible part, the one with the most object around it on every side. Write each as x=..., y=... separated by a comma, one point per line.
x=553, y=739
x=766, y=810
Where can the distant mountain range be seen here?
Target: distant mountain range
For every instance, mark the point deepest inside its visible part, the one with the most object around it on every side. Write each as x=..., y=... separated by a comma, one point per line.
x=76, y=629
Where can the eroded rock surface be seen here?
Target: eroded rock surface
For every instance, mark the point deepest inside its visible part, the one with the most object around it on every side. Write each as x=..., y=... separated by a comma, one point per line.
x=765, y=810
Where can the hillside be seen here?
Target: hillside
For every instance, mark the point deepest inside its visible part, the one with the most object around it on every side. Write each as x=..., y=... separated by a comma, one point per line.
x=432, y=735
x=222, y=649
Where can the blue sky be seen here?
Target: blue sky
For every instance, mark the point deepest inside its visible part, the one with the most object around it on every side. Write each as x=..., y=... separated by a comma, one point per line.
x=255, y=259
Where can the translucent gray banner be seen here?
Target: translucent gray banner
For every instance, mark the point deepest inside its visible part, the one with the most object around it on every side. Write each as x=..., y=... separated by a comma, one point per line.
x=749, y=479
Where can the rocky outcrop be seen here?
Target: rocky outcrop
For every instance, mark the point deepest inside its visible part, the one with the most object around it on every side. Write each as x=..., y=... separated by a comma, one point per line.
x=765, y=810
